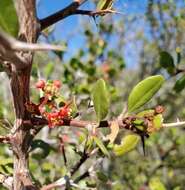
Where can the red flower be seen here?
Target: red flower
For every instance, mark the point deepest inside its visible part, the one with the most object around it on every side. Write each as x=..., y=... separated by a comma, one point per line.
x=40, y=84
x=65, y=112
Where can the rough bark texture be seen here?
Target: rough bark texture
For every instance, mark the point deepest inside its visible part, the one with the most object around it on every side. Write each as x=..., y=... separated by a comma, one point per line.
x=19, y=82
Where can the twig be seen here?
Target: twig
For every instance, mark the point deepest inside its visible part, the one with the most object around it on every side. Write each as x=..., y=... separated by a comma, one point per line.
x=177, y=124
x=84, y=157
x=59, y=183
x=96, y=13
x=5, y=139
x=89, y=171
x=68, y=11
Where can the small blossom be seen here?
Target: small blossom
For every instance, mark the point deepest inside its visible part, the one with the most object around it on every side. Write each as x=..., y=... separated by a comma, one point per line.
x=40, y=84
x=57, y=83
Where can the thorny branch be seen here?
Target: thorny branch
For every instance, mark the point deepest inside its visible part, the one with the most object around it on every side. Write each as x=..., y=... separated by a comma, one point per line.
x=67, y=11
x=10, y=46
x=72, y=9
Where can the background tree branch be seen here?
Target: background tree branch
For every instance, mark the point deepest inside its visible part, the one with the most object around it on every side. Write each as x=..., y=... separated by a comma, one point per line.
x=68, y=11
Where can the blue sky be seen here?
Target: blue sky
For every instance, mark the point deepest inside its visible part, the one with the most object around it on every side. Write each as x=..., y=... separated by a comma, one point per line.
x=67, y=27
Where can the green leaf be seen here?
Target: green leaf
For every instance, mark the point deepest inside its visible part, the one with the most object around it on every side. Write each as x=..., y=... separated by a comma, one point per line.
x=73, y=107
x=156, y=184
x=128, y=143
x=6, y=165
x=144, y=91
x=6, y=161
x=158, y=121
x=48, y=70
x=178, y=51
x=166, y=61
x=101, y=146
x=8, y=17
x=100, y=99
x=180, y=84
x=101, y=176
x=1, y=68
x=146, y=113
x=104, y=4
x=45, y=147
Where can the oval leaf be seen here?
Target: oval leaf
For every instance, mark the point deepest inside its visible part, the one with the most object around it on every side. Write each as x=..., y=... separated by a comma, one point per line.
x=100, y=99
x=128, y=143
x=180, y=84
x=166, y=61
x=144, y=91
x=8, y=17
x=45, y=147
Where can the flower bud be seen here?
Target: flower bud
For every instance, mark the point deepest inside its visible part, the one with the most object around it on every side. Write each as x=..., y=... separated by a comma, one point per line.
x=57, y=83
x=40, y=84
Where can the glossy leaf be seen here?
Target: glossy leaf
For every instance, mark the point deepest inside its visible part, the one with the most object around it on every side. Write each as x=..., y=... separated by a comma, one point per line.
x=100, y=99
x=144, y=91
x=101, y=146
x=8, y=17
x=167, y=62
x=128, y=143
x=180, y=84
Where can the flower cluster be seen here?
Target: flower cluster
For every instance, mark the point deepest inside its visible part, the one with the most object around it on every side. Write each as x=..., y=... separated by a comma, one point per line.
x=57, y=118
x=48, y=106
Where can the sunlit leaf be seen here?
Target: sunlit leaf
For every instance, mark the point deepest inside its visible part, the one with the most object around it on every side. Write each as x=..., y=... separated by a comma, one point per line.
x=156, y=184
x=114, y=131
x=73, y=107
x=100, y=99
x=158, y=121
x=104, y=4
x=146, y=113
x=144, y=91
x=8, y=17
x=101, y=146
x=128, y=143
x=48, y=70
x=6, y=165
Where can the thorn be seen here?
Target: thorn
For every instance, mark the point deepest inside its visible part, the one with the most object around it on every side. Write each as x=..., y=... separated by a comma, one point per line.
x=94, y=18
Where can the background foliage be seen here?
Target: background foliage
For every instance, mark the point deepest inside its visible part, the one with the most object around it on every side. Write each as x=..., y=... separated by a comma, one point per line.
x=107, y=53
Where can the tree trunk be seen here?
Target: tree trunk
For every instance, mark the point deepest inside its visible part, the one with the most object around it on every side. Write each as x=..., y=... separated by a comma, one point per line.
x=19, y=82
